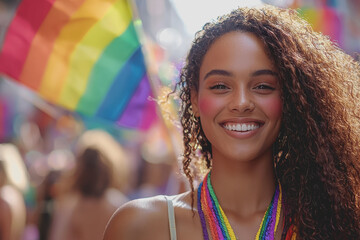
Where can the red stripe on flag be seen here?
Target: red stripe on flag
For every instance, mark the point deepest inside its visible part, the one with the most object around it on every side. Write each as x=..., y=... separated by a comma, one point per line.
x=27, y=20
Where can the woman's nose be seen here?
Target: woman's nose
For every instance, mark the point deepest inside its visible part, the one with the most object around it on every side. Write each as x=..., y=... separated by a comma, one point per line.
x=241, y=101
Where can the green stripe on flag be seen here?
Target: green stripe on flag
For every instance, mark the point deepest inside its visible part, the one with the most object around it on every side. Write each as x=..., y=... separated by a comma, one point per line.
x=106, y=68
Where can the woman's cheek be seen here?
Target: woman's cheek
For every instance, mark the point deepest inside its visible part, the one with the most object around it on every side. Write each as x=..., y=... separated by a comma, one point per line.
x=273, y=106
x=207, y=105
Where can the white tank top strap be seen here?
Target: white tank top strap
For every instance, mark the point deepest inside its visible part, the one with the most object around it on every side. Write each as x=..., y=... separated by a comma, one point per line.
x=171, y=215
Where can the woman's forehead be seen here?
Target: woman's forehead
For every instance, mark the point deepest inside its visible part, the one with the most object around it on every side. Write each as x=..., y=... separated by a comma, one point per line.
x=237, y=52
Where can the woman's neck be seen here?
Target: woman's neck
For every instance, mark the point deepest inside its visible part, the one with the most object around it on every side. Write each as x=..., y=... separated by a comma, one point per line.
x=243, y=187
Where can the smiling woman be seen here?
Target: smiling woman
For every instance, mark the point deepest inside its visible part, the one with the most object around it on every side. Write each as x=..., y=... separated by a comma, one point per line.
x=238, y=100
x=270, y=114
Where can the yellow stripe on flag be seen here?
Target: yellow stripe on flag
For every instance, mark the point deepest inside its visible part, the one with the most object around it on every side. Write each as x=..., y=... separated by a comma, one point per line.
x=89, y=50
x=58, y=65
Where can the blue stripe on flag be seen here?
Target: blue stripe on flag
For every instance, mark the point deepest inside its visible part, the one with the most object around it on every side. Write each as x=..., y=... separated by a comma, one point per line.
x=123, y=88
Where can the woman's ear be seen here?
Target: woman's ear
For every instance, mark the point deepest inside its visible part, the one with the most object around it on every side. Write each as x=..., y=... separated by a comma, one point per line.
x=194, y=103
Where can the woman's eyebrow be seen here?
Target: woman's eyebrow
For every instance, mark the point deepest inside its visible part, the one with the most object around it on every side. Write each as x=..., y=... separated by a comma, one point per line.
x=263, y=72
x=229, y=74
x=218, y=72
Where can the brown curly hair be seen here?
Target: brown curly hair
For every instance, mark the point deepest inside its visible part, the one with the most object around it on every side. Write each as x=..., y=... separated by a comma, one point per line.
x=316, y=155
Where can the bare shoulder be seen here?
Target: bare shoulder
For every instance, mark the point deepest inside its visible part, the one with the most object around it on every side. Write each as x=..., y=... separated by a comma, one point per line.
x=138, y=218
x=141, y=218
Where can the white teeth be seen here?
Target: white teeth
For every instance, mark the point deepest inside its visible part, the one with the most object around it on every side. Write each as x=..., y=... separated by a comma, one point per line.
x=241, y=127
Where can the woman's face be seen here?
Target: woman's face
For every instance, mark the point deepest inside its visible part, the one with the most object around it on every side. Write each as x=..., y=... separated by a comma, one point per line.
x=239, y=100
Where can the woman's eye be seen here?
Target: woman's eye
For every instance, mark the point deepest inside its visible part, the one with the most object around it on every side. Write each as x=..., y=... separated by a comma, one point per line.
x=219, y=86
x=264, y=87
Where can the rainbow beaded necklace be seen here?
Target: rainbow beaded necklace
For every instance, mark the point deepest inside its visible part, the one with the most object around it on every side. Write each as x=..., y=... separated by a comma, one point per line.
x=213, y=217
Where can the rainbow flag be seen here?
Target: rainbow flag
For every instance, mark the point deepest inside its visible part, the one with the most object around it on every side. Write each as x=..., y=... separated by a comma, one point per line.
x=83, y=55
x=323, y=16
x=325, y=20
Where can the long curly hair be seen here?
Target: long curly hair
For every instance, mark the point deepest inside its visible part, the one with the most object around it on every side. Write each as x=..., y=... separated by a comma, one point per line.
x=316, y=156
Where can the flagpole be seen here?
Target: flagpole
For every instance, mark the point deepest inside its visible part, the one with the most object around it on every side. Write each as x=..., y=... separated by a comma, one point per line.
x=175, y=143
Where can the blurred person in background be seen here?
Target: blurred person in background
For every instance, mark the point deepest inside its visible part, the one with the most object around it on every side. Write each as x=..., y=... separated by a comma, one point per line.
x=82, y=213
x=13, y=184
x=5, y=209
x=46, y=196
x=12, y=208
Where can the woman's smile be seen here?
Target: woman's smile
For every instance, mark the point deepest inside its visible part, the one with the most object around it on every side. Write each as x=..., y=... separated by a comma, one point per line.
x=242, y=128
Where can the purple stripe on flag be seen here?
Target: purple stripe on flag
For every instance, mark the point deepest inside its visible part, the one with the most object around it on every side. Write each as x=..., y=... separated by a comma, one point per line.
x=139, y=112
x=149, y=116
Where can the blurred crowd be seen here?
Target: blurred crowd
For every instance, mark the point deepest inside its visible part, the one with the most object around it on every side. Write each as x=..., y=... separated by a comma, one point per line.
x=61, y=181
x=78, y=192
